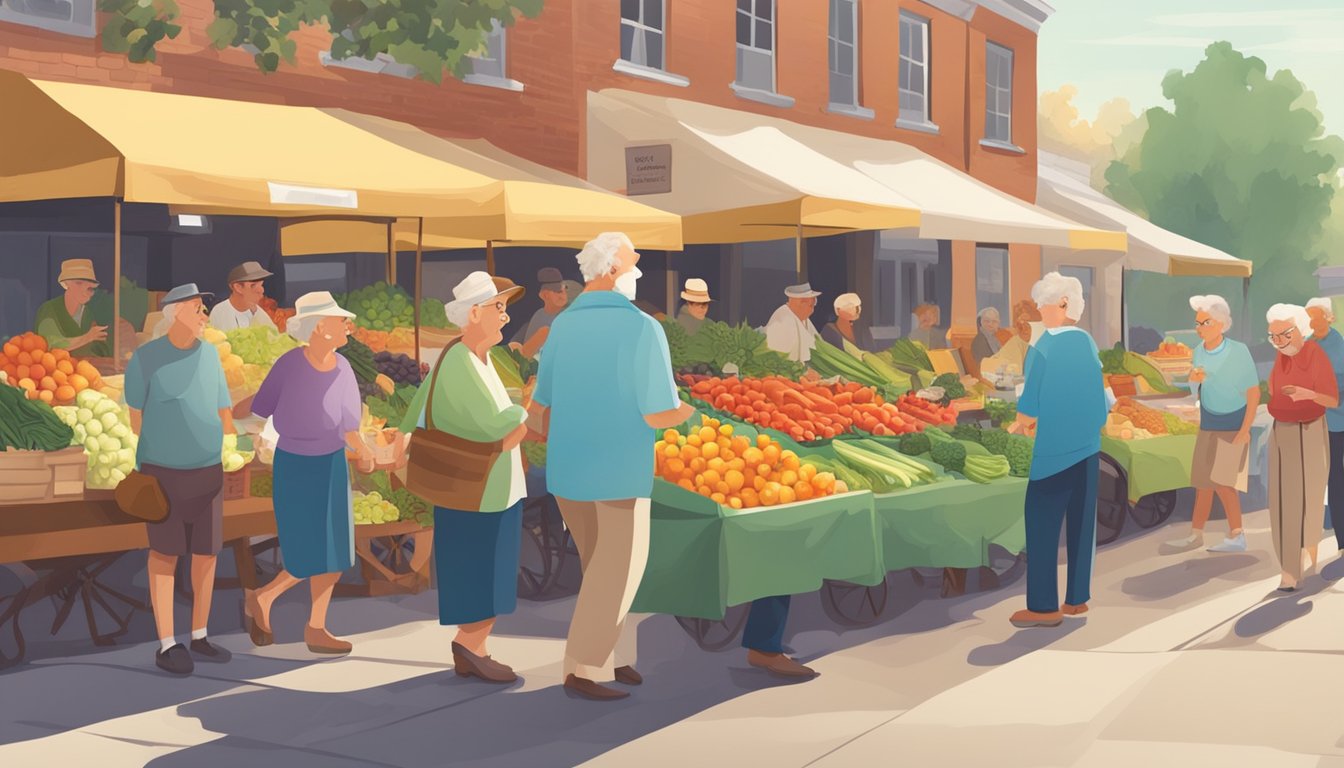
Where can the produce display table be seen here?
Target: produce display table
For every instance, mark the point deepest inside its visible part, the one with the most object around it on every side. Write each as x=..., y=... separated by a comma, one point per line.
x=1154, y=465
x=951, y=524
x=62, y=549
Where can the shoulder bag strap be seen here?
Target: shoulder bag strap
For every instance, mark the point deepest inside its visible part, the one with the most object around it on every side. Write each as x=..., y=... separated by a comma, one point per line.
x=434, y=383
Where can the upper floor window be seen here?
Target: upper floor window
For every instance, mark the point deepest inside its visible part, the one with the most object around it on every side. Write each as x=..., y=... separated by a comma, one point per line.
x=998, y=94
x=70, y=17
x=643, y=33
x=756, y=44
x=914, y=70
x=843, y=52
x=489, y=61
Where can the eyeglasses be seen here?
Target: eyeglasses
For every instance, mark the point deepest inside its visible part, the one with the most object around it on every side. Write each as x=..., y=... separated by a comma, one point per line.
x=1202, y=323
x=1285, y=337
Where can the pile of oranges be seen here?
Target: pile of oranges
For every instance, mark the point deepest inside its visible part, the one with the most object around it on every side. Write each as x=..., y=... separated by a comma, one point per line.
x=734, y=471
x=49, y=375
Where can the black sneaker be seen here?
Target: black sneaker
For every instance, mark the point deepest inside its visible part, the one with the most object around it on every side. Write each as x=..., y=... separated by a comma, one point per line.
x=175, y=660
x=203, y=650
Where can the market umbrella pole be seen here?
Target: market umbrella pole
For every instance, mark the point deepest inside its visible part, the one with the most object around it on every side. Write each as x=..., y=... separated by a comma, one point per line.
x=391, y=253
x=419, y=263
x=1246, y=308
x=1124, y=311
x=800, y=255
x=490, y=257
x=116, y=284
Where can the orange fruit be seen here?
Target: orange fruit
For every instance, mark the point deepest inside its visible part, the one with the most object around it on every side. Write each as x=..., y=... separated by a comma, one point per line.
x=824, y=481
x=807, y=472
x=735, y=480
x=803, y=491
x=36, y=371
x=703, y=491
x=39, y=343
x=763, y=469
x=48, y=361
x=758, y=483
x=48, y=384
x=710, y=450
x=786, y=495
x=719, y=498
x=46, y=396
x=27, y=384
x=687, y=484
x=753, y=456
x=762, y=441
x=671, y=436
x=675, y=466
x=85, y=368
x=769, y=497
x=726, y=430
x=27, y=343
x=61, y=378
x=735, y=502
x=24, y=358
x=12, y=350
x=23, y=371
x=671, y=451
x=738, y=464
x=64, y=365
x=749, y=498
x=78, y=381
x=771, y=455
x=61, y=354
x=65, y=393
x=697, y=464
x=707, y=435
x=710, y=478
x=788, y=477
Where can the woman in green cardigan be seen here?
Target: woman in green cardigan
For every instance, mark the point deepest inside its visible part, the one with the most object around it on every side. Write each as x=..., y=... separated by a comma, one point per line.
x=477, y=549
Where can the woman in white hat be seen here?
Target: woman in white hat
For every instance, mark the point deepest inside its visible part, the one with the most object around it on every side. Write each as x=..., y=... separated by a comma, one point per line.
x=314, y=398
x=476, y=543
x=695, y=308
x=846, y=328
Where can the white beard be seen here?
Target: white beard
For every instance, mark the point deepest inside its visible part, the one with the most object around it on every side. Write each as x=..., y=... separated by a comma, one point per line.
x=627, y=283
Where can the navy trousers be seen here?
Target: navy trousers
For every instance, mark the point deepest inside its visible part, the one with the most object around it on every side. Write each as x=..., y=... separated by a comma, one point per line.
x=1069, y=499
x=765, y=625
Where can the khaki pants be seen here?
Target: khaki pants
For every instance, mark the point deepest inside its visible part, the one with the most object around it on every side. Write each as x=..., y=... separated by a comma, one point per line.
x=1299, y=463
x=613, y=542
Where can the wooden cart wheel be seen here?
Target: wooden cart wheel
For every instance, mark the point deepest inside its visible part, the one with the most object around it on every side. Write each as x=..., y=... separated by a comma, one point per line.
x=1154, y=509
x=1112, y=500
x=854, y=605
x=16, y=582
x=713, y=635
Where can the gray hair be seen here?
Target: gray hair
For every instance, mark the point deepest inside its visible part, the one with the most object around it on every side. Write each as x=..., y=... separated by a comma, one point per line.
x=1291, y=313
x=169, y=317
x=302, y=329
x=1054, y=288
x=1322, y=303
x=985, y=313
x=1216, y=307
x=599, y=256
x=458, y=314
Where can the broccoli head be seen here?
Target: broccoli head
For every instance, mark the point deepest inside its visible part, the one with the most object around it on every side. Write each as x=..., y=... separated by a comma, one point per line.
x=996, y=440
x=1018, y=453
x=915, y=444
x=967, y=432
x=951, y=386
x=951, y=455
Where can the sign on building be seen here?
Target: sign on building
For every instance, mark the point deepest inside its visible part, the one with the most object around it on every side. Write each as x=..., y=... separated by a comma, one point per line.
x=648, y=170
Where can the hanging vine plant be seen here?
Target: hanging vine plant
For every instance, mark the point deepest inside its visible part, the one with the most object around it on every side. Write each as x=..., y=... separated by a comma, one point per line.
x=135, y=27
x=433, y=36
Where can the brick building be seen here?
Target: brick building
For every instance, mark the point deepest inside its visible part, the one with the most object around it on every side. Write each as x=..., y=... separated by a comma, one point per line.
x=953, y=78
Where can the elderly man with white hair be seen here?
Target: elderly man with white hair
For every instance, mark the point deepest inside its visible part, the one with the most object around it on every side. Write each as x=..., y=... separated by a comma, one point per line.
x=988, y=340
x=604, y=381
x=1064, y=398
x=1322, y=312
x=1302, y=387
x=1229, y=393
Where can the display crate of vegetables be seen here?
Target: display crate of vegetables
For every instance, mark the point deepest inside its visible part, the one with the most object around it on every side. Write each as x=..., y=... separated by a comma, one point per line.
x=384, y=307
x=37, y=462
x=103, y=428
x=804, y=412
x=718, y=345
x=50, y=375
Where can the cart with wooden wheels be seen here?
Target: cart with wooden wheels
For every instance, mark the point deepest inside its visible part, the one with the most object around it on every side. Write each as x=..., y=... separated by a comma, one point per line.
x=1113, y=504
x=717, y=634
x=548, y=563
x=854, y=605
x=393, y=558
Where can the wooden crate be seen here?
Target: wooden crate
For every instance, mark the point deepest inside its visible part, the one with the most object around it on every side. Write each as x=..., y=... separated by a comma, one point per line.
x=40, y=477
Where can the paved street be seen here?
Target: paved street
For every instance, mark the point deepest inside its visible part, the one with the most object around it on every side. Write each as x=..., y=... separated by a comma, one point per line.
x=1185, y=659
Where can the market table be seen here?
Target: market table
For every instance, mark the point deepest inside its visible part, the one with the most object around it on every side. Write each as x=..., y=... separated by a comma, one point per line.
x=61, y=549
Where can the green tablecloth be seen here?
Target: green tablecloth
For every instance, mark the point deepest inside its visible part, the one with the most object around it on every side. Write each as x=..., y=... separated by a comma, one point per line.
x=1154, y=465
x=704, y=557
x=951, y=524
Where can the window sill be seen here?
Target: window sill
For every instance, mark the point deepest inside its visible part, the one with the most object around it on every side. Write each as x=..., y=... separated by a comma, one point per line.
x=762, y=97
x=490, y=81
x=378, y=66
x=851, y=110
x=649, y=73
x=923, y=126
x=1002, y=146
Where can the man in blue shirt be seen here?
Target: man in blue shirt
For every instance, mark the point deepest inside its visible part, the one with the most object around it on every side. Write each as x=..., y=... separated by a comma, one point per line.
x=1322, y=312
x=1064, y=398
x=606, y=384
x=180, y=409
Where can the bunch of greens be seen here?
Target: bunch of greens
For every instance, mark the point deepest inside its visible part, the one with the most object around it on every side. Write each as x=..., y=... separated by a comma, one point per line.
x=30, y=425
x=952, y=387
x=910, y=355
x=391, y=408
x=1000, y=411
x=1113, y=360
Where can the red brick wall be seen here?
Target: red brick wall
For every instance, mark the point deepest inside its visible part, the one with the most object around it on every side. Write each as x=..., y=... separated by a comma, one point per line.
x=1012, y=172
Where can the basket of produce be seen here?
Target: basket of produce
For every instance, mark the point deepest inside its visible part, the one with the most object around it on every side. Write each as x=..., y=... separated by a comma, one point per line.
x=49, y=375
x=37, y=462
x=1174, y=359
x=103, y=428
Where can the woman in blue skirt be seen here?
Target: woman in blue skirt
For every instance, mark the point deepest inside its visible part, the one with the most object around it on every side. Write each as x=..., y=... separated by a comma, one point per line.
x=476, y=545
x=314, y=398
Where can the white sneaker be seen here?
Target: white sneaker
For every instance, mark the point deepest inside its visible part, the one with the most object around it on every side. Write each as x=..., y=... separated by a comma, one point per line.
x=1194, y=540
x=1237, y=544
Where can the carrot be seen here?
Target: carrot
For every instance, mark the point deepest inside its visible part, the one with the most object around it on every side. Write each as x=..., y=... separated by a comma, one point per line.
x=793, y=411
x=844, y=398
x=863, y=395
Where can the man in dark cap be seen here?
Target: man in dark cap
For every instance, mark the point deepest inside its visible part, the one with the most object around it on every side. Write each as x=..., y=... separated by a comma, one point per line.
x=242, y=308
x=554, y=298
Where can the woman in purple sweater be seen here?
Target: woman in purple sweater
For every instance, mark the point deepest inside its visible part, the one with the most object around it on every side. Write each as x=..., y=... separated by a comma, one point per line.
x=313, y=396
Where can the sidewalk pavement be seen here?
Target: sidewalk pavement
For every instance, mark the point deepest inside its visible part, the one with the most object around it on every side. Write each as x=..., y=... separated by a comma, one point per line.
x=1184, y=659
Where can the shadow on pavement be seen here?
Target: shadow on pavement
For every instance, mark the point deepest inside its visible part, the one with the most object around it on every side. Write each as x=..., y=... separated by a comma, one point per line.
x=1174, y=579
x=1334, y=571
x=1022, y=643
x=1280, y=609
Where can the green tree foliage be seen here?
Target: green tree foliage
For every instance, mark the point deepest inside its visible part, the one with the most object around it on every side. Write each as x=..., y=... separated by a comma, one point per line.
x=433, y=36
x=1240, y=162
x=134, y=27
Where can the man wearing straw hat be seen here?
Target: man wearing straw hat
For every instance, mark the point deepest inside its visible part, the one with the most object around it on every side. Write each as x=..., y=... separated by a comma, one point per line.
x=695, y=310
x=65, y=321
x=790, y=331
x=243, y=307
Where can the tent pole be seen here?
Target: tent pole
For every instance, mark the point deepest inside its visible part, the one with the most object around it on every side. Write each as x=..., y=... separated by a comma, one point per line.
x=799, y=257
x=1246, y=308
x=116, y=286
x=490, y=257
x=672, y=277
x=419, y=264
x=1124, y=310
x=391, y=254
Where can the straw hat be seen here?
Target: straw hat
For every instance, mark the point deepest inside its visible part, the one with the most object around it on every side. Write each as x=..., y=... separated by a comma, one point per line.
x=480, y=287
x=77, y=269
x=696, y=291
x=318, y=304
x=801, y=291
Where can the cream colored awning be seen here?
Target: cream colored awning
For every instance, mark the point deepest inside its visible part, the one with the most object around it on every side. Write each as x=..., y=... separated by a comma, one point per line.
x=1062, y=186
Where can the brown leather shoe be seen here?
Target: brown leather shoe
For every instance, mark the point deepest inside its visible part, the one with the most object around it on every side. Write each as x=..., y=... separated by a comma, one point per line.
x=779, y=664
x=259, y=632
x=321, y=641
x=628, y=676
x=468, y=664
x=1073, y=610
x=1028, y=619
x=591, y=690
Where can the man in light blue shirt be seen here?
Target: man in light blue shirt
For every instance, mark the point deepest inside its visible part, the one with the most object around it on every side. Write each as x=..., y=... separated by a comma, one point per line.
x=605, y=384
x=1064, y=397
x=1322, y=313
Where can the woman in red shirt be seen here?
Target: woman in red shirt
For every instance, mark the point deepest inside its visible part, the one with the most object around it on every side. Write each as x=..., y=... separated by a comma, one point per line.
x=1301, y=387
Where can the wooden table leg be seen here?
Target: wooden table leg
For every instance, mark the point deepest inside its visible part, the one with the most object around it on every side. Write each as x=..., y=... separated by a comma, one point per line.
x=244, y=562
x=954, y=582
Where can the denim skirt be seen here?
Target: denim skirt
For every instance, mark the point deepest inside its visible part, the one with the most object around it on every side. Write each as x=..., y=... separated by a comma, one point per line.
x=476, y=558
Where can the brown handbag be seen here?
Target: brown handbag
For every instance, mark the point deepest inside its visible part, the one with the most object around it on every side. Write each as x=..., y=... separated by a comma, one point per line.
x=446, y=470
x=141, y=496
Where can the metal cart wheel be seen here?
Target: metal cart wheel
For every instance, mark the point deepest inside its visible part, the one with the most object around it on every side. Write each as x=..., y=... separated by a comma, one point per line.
x=854, y=605
x=1112, y=500
x=713, y=635
x=16, y=581
x=546, y=548
x=1154, y=509
x=534, y=565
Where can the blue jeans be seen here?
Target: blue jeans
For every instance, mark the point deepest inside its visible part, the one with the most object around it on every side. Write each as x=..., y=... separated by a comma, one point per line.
x=1067, y=498
x=765, y=625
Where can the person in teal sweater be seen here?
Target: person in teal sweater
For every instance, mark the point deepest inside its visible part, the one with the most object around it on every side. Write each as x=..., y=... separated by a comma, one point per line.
x=477, y=550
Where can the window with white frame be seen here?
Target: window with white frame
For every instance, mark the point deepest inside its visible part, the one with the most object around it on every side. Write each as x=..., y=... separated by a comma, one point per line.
x=998, y=94
x=756, y=44
x=643, y=33
x=914, y=69
x=69, y=17
x=843, y=52
x=489, y=61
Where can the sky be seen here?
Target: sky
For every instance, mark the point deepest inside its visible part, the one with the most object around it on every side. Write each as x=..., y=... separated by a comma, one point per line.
x=1111, y=48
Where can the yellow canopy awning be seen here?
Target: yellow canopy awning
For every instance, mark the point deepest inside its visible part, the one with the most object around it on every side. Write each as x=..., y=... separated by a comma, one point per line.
x=736, y=177
x=215, y=155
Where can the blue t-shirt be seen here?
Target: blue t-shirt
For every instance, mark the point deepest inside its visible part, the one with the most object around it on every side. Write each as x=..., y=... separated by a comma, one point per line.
x=606, y=367
x=179, y=393
x=1065, y=393
x=1229, y=372
x=1333, y=347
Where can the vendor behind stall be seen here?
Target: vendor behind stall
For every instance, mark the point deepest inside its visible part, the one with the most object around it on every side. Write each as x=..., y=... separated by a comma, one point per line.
x=695, y=307
x=555, y=296
x=790, y=331
x=927, y=330
x=65, y=322
x=846, y=328
x=1013, y=353
x=243, y=307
